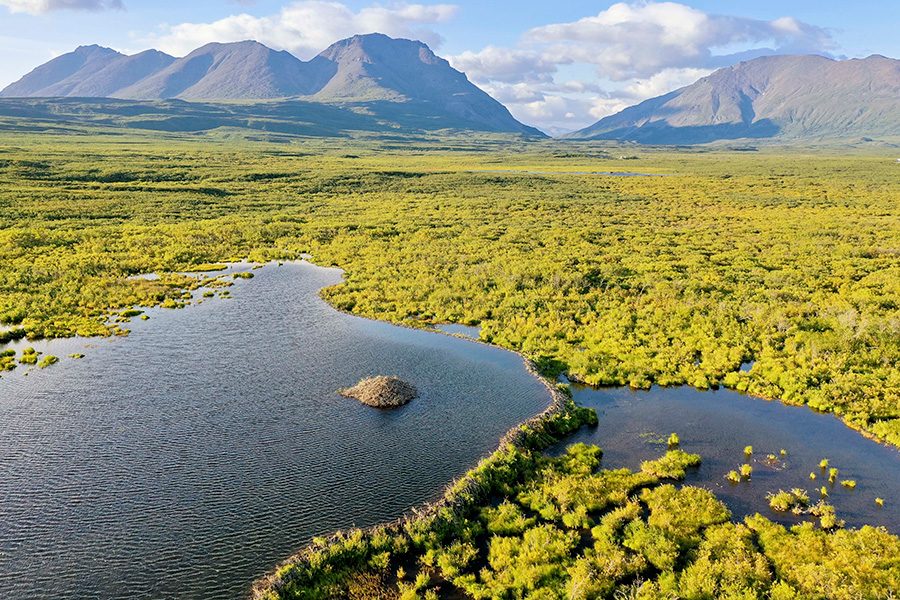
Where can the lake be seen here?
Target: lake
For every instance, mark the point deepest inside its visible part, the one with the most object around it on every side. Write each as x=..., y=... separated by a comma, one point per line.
x=718, y=425
x=186, y=459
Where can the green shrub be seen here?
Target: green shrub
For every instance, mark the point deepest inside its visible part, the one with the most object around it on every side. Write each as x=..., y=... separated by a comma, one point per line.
x=683, y=512
x=47, y=361
x=506, y=519
x=671, y=466
x=795, y=500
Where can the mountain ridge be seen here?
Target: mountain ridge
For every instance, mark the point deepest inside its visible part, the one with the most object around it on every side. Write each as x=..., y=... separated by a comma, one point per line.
x=370, y=67
x=788, y=97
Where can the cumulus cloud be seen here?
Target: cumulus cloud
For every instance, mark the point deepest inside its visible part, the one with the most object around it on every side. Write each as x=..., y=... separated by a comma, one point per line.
x=661, y=83
x=308, y=27
x=635, y=50
x=506, y=65
x=639, y=40
x=38, y=7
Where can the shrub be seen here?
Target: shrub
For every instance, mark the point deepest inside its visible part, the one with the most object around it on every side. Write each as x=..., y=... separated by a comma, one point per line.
x=683, y=512
x=653, y=543
x=672, y=465
x=795, y=500
x=47, y=361
x=506, y=519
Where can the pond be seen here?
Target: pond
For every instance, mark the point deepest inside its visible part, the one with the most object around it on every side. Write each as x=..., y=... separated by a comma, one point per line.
x=718, y=425
x=186, y=459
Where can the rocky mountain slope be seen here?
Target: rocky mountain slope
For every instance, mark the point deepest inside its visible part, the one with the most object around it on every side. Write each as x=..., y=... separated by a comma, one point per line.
x=802, y=97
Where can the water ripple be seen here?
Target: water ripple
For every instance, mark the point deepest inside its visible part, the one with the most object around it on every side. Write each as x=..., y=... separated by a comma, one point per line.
x=185, y=460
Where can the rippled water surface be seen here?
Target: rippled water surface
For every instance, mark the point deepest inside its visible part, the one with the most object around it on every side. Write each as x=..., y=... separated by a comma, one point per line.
x=184, y=460
x=718, y=425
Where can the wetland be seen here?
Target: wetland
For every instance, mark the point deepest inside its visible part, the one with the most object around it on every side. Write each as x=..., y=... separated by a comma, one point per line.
x=194, y=445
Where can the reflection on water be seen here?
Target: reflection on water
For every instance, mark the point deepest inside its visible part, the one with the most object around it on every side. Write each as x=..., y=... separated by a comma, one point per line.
x=184, y=460
x=718, y=425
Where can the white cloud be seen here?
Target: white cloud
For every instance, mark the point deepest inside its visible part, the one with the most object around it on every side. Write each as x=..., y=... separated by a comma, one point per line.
x=636, y=51
x=661, y=83
x=639, y=40
x=502, y=64
x=38, y=7
x=308, y=27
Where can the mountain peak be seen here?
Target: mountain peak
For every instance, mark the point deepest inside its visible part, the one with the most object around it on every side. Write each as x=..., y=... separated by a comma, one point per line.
x=95, y=49
x=242, y=46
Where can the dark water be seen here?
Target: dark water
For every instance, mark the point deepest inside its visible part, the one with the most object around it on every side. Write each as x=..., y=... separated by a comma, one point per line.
x=185, y=460
x=718, y=425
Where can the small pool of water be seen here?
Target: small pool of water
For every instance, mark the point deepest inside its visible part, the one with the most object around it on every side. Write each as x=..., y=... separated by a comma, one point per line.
x=718, y=425
x=456, y=329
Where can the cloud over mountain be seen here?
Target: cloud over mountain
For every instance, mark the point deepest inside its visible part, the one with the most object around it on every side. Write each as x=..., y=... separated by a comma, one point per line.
x=304, y=28
x=636, y=50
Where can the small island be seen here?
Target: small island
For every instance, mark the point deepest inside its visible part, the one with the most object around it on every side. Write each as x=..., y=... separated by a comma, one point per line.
x=381, y=392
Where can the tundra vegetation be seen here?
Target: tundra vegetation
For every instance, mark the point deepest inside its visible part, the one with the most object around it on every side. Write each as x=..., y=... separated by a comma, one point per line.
x=788, y=259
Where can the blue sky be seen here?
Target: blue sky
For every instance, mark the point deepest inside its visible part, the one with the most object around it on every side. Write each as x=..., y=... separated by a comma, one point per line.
x=556, y=65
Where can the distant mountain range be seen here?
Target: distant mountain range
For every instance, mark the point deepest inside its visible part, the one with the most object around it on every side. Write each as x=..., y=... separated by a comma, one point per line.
x=376, y=83
x=778, y=97
x=375, y=69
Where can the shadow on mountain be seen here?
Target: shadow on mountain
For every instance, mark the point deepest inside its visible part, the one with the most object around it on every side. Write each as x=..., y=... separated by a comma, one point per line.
x=668, y=135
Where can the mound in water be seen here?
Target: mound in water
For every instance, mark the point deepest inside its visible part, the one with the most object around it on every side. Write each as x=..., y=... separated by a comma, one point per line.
x=382, y=392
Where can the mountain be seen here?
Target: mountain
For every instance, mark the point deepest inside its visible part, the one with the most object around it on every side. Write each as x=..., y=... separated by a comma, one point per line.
x=124, y=71
x=237, y=71
x=393, y=77
x=62, y=74
x=786, y=98
x=378, y=67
